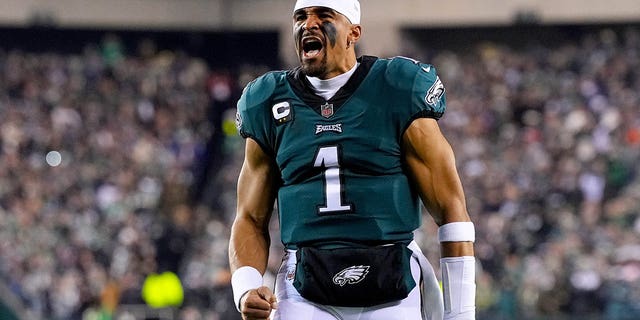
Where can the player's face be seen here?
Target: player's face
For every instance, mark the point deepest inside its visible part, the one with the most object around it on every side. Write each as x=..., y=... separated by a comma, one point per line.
x=321, y=36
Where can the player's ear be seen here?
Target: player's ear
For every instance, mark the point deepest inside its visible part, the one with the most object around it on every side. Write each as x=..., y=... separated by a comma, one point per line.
x=354, y=33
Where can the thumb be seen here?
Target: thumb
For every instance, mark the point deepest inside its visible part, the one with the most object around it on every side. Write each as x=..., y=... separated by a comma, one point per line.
x=266, y=294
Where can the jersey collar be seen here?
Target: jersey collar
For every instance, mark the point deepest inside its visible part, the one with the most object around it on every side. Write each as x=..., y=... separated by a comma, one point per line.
x=303, y=89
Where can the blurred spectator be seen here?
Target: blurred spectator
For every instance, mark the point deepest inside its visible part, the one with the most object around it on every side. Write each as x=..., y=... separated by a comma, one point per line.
x=84, y=229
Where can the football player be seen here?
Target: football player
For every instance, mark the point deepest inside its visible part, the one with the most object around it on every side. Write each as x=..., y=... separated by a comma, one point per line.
x=348, y=147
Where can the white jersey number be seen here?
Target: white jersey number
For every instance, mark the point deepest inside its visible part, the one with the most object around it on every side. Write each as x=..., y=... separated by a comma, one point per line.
x=327, y=157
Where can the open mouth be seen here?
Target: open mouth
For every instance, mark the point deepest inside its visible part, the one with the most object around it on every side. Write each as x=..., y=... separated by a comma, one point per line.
x=311, y=47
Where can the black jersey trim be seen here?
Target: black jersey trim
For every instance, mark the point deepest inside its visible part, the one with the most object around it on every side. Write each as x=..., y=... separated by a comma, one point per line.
x=422, y=114
x=303, y=89
x=265, y=148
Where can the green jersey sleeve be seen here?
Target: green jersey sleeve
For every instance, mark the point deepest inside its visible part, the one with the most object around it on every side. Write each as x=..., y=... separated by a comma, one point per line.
x=419, y=84
x=253, y=117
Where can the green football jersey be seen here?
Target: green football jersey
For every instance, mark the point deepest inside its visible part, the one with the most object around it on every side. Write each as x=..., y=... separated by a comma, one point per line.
x=342, y=174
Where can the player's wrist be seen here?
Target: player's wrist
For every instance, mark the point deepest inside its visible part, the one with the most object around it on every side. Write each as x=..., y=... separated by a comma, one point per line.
x=242, y=280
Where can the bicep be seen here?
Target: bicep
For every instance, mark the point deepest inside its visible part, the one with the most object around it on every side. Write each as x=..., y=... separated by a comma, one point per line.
x=256, y=192
x=257, y=184
x=430, y=163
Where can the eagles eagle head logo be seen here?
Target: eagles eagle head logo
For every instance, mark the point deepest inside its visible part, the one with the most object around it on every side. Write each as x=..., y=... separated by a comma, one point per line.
x=351, y=275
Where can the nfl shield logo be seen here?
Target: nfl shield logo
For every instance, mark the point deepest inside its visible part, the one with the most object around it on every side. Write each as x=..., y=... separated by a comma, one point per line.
x=326, y=110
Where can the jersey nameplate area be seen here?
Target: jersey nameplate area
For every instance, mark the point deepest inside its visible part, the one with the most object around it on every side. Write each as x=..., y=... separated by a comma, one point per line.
x=320, y=128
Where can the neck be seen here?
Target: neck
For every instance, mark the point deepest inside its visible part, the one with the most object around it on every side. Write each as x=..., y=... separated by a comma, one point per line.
x=343, y=66
x=327, y=88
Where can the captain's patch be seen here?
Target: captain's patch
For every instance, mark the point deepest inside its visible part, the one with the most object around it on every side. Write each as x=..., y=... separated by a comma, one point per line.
x=282, y=112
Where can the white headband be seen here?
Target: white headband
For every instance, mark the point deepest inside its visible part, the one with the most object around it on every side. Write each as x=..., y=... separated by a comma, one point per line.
x=348, y=8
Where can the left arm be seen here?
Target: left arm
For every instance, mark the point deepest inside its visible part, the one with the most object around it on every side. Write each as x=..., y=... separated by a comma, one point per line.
x=430, y=162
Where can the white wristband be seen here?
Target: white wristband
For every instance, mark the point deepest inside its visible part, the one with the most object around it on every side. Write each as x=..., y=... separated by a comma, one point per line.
x=244, y=279
x=457, y=231
x=459, y=287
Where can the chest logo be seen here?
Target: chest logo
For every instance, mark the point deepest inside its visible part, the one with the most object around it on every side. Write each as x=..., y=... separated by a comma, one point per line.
x=282, y=112
x=329, y=127
x=351, y=275
x=326, y=110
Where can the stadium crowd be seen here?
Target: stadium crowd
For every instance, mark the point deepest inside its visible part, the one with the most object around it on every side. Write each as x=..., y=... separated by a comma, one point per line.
x=99, y=153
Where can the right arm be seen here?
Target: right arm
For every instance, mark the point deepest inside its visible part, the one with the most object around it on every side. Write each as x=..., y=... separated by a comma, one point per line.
x=249, y=242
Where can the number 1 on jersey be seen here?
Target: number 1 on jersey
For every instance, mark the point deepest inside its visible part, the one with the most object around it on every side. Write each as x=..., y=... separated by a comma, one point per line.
x=327, y=157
